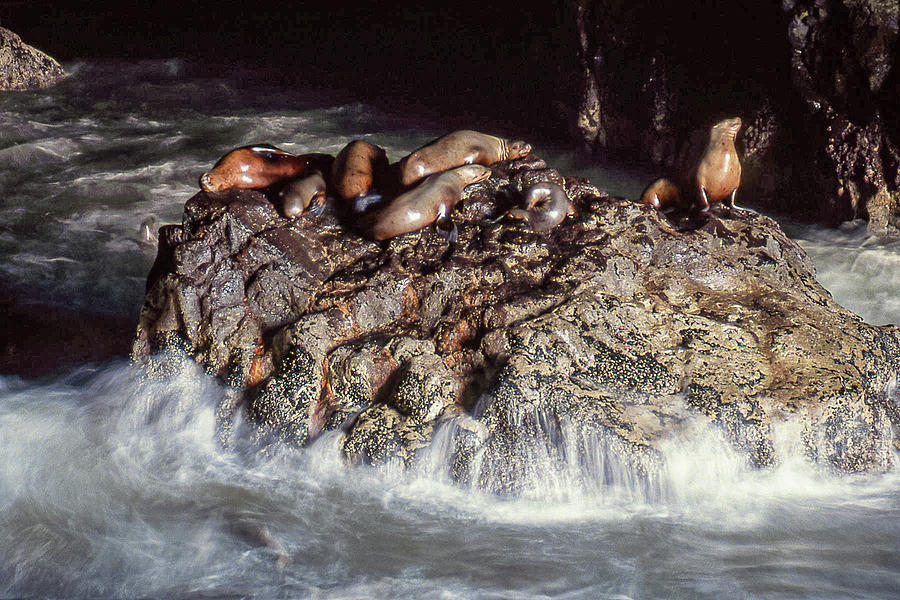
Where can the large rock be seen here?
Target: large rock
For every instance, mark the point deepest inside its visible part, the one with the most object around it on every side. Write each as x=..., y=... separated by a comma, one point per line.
x=815, y=81
x=23, y=67
x=617, y=330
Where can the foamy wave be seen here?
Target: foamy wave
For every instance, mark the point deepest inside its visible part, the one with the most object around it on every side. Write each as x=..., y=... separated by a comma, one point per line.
x=29, y=155
x=862, y=273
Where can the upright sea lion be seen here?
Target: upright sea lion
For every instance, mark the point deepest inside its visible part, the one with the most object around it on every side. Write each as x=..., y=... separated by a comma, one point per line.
x=662, y=194
x=304, y=192
x=357, y=168
x=545, y=205
x=431, y=200
x=718, y=173
x=463, y=147
x=252, y=167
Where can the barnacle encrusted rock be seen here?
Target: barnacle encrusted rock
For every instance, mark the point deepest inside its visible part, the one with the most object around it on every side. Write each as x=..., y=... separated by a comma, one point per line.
x=23, y=67
x=615, y=330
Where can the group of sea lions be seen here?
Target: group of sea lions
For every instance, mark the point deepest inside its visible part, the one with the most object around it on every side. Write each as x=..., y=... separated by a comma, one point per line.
x=420, y=189
x=715, y=178
x=424, y=187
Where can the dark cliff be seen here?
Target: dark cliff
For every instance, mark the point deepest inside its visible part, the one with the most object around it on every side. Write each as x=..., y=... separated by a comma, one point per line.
x=815, y=81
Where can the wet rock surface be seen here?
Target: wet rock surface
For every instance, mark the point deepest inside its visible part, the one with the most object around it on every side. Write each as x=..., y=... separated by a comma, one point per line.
x=617, y=329
x=23, y=67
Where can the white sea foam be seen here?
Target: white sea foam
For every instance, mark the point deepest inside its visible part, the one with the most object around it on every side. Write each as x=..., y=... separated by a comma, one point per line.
x=35, y=155
x=114, y=485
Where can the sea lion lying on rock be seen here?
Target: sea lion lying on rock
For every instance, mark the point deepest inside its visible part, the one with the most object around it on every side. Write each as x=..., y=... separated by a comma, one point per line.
x=662, y=194
x=428, y=202
x=357, y=169
x=463, y=147
x=252, y=167
x=544, y=206
x=306, y=192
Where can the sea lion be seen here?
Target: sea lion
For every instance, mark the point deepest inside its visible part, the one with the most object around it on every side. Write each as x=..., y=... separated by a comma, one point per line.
x=718, y=173
x=431, y=200
x=357, y=168
x=662, y=194
x=462, y=147
x=304, y=192
x=255, y=531
x=544, y=206
x=252, y=167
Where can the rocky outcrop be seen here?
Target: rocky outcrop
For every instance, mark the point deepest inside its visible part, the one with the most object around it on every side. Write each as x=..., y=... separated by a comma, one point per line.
x=23, y=67
x=815, y=81
x=616, y=329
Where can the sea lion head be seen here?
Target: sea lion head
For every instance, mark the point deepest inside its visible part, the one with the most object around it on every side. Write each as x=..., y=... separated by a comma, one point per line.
x=518, y=149
x=210, y=182
x=473, y=173
x=726, y=128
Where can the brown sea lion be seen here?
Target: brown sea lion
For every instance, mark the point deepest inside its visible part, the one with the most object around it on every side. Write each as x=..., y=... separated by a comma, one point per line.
x=357, y=168
x=662, y=194
x=463, y=147
x=718, y=173
x=304, y=192
x=431, y=200
x=544, y=206
x=252, y=167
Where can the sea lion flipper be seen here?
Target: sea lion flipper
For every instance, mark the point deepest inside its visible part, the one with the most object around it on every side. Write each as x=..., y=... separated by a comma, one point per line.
x=362, y=203
x=518, y=214
x=317, y=206
x=732, y=207
x=704, y=199
x=447, y=229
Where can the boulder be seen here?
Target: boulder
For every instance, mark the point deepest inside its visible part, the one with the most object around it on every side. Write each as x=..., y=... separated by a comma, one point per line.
x=23, y=67
x=618, y=330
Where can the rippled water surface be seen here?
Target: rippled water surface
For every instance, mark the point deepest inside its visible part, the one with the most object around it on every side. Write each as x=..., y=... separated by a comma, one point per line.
x=115, y=486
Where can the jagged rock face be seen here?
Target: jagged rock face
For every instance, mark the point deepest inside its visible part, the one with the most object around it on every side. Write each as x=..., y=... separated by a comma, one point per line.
x=815, y=82
x=615, y=329
x=23, y=67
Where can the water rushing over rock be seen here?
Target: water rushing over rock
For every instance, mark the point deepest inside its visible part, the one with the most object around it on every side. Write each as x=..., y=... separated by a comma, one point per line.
x=587, y=347
x=116, y=485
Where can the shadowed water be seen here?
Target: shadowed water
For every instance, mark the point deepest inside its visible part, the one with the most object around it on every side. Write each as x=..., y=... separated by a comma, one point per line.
x=113, y=485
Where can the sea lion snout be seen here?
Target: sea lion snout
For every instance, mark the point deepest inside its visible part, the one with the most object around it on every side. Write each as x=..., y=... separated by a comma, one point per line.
x=728, y=127
x=207, y=184
x=518, y=149
x=474, y=173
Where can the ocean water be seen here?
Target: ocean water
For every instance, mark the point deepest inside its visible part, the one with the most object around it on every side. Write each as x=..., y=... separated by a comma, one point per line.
x=115, y=486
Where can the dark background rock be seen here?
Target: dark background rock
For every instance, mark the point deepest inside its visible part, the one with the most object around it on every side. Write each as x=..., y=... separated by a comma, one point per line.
x=617, y=328
x=23, y=67
x=815, y=81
